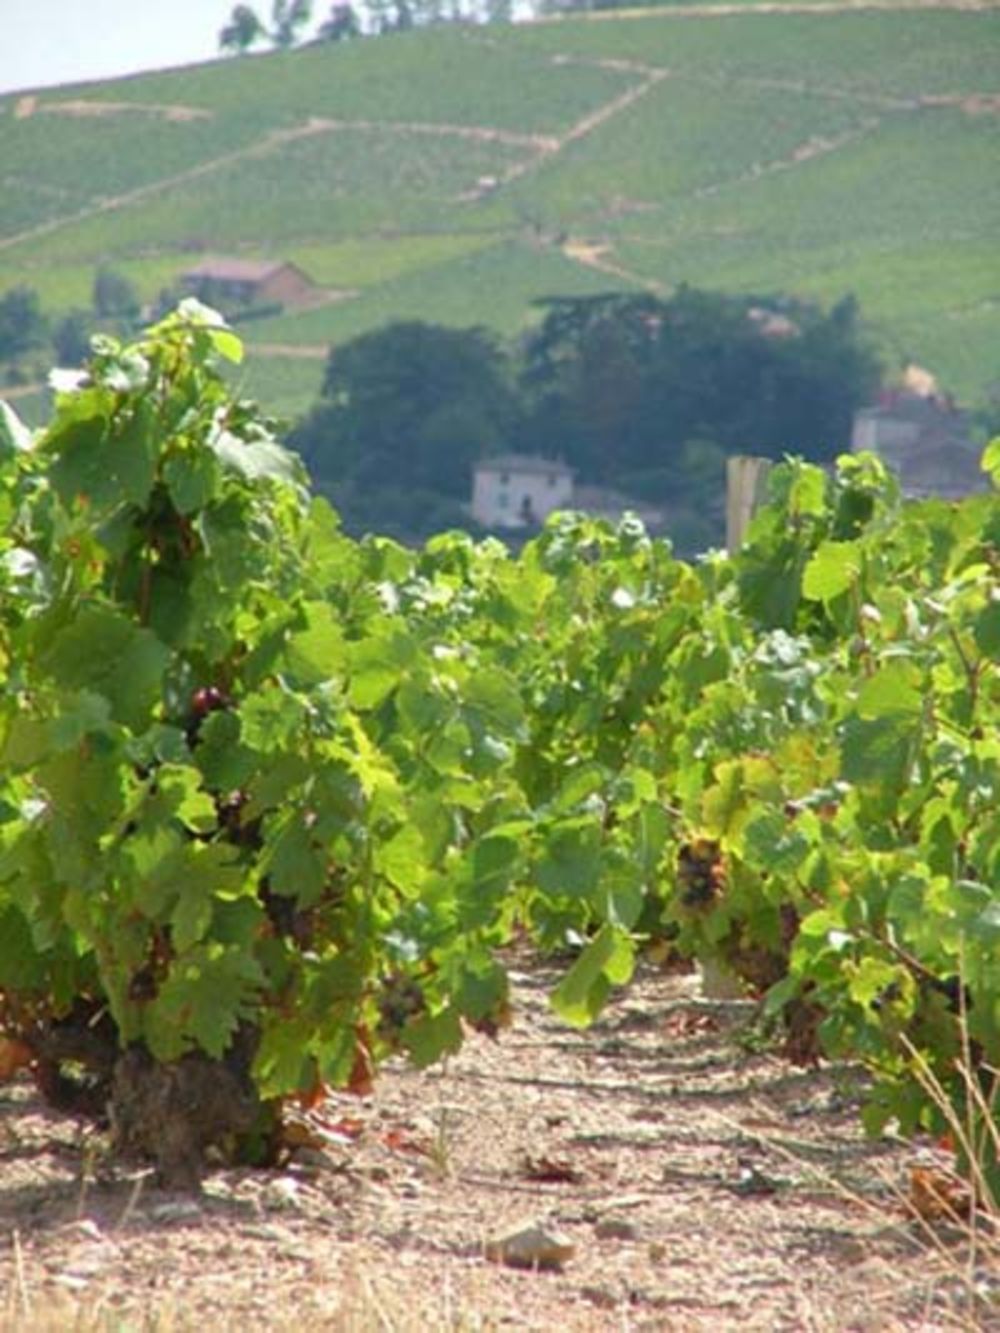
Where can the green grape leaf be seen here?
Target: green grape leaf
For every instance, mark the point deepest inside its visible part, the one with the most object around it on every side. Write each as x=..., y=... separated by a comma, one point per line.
x=228, y=344
x=105, y=464
x=208, y=990
x=101, y=650
x=22, y=967
x=621, y=893
x=379, y=664
x=987, y=629
x=256, y=460
x=317, y=652
x=581, y=782
x=293, y=860
x=773, y=843
x=607, y=960
x=893, y=689
x=878, y=751
x=282, y=1061
x=193, y=479
x=429, y=1037
x=191, y=917
x=402, y=859
x=271, y=719
x=833, y=569
x=724, y=805
x=872, y=978
x=225, y=763
x=481, y=988
x=179, y=788
x=494, y=697
x=570, y=861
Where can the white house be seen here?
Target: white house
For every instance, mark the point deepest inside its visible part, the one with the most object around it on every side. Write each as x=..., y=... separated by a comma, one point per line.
x=519, y=490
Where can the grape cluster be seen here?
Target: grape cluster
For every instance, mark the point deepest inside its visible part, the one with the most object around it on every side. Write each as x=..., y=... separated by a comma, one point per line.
x=700, y=873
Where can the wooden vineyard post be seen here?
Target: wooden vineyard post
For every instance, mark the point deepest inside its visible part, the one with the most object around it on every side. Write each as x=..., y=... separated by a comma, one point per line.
x=746, y=486
x=746, y=489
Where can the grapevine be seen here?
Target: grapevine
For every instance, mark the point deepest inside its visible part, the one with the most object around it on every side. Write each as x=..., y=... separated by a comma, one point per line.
x=272, y=800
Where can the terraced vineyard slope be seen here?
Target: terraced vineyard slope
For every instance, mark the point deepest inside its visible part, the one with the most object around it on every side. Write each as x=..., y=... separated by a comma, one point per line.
x=457, y=175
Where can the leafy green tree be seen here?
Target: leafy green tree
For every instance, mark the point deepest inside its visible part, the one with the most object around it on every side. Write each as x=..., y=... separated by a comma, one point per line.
x=288, y=17
x=22, y=323
x=499, y=11
x=245, y=27
x=341, y=25
x=71, y=338
x=114, y=296
x=389, y=16
x=242, y=31
x=411, y=405
x=621, y=382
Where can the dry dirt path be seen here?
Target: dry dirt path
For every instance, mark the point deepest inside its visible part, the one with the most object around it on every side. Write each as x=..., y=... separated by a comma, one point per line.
x=703, y=1185
x=599, y=257
x=294, y=351
x=14, y=391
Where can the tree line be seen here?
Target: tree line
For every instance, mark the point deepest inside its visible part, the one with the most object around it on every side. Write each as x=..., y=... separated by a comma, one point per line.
x=288, y=20
x=645, y=395
x=31, y=334
x=26, y=328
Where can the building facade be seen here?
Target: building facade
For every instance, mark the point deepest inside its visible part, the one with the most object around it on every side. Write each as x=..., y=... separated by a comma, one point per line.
x=924, y=440
x=249, y=282
x=519, y=490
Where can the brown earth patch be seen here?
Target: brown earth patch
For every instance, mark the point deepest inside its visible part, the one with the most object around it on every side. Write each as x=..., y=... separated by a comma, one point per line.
x=705, y=1185
x=85, y=108
x=974, y=104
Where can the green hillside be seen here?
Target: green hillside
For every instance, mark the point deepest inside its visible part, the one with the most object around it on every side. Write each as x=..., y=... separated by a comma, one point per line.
x=459, y=174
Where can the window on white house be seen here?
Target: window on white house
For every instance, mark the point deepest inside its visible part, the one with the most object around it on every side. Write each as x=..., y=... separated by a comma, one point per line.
x=503, y=500
x=504, y=478
x=552, y=478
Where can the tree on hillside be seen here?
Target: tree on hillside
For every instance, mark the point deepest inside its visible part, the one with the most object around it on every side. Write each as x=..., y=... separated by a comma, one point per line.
x=341, y=24
x=389, y=16
x=408, y=407
x=499, y=11
x=583, y=374
x=245, y=28
x=114, y=296
x=288, y=17
x=242, y=31
x=71, y=338
x=621, y=383
x=22, y=324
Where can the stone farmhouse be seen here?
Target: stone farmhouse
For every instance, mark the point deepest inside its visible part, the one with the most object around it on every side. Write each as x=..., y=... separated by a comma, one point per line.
x=924, y=439
x=249, y=282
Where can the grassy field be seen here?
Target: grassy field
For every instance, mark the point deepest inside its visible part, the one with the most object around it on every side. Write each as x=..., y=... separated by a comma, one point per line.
x=283, y=383
x=872, y=54
x=493, y=287
x=458, y=175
